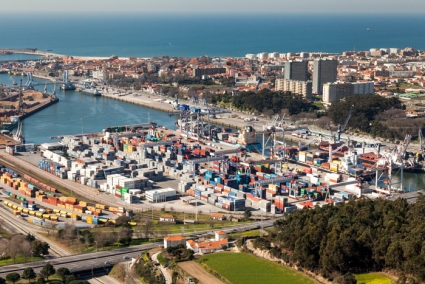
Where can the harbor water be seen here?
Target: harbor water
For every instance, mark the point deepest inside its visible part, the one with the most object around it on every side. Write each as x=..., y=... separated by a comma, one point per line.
x=77, y=113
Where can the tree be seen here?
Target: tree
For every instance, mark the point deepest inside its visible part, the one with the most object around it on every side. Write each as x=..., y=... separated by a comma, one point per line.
x=122, y=221
x=13, y=277
x=47, y=271
x=29, y=274
x=68, y=279
x=30, y=238
x=2, y=280
x=40, y=248
x=62, y=272
x=247, y=214
x=147, y=228
x=40, y=280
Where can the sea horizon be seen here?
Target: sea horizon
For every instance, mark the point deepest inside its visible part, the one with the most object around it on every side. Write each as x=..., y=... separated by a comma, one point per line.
x=225, y=34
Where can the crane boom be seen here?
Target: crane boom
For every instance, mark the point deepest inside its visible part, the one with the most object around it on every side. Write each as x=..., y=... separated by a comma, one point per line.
x=347, y=119
x=342, y=129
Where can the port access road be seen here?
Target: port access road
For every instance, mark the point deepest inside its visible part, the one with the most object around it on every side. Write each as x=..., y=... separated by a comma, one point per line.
x=83, y=262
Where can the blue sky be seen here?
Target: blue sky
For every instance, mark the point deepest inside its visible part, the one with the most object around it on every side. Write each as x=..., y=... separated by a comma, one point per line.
x=216, y=6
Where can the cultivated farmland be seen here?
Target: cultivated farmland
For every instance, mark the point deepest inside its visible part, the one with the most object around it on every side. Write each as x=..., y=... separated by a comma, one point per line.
x=244, y=268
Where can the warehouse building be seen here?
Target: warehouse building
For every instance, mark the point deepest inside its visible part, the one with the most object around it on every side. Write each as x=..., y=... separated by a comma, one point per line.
x=160, y=195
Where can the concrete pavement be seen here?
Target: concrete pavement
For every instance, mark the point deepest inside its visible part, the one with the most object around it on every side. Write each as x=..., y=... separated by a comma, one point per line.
x=164, y=272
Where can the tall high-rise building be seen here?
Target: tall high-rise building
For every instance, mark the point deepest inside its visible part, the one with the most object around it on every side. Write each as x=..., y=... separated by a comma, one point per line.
x=325, y=71
x=296, y=70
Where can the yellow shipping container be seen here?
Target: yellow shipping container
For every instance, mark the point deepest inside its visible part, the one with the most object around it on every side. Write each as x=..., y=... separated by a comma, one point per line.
x=69, y=214
x=56, y=210
x=91, y=208
x=62, y=212
x=89, y=220
x=20, y=209
x=337, y=162
x=82, y=203
x=6, y=202
x=16, y=212
x=132, y=223
x=98, y=210
x=272, y=186
x=32, y=213
x=38, y=214
x=63, y=198
x=334, y=169
x=30, y=220
x=54, y=218
x=14, y=206
x=25, y=210
x=46, y=216
x=101, y=206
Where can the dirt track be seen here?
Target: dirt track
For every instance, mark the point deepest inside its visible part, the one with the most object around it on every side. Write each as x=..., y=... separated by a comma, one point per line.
x=198, y=272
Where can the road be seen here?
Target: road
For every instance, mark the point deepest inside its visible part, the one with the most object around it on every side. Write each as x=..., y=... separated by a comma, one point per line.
x=21, y=226
x=164, y=272
x=107, y=258
x=196, y=271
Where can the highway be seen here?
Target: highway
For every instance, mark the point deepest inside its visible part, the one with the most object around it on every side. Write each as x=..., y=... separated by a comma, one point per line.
x=82, y=262
x=21, y=226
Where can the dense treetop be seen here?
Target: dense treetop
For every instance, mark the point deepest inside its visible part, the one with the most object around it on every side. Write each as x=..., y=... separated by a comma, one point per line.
x=360, y=235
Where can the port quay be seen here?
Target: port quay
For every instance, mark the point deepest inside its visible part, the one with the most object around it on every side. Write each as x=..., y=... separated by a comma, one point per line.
x=199, y=165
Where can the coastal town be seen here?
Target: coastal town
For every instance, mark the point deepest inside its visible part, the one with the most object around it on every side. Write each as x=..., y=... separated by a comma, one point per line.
x=393, y=71
x=200, y=187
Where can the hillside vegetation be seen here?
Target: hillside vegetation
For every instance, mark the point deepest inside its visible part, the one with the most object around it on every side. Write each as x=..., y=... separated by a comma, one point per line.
x=358, y=236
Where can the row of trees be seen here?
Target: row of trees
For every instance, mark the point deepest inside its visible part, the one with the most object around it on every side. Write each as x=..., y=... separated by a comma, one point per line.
x=48, y=270
x=265, y=101
x=374, y=114
x=73, y=236
x=356, y=236
x=25, y=246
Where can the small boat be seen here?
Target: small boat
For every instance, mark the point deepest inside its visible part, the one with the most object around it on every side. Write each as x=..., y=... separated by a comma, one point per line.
x=367, y=29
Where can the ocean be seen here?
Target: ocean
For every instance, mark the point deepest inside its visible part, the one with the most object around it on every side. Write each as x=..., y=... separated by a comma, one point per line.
x=147, y=35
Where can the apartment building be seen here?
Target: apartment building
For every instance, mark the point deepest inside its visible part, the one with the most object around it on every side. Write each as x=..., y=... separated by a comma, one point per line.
x=303, y=88
x=336, y=91
x=296, y=70
x=324, y=70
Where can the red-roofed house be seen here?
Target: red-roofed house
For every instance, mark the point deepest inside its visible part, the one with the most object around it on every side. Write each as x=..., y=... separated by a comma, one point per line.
x=174, y=241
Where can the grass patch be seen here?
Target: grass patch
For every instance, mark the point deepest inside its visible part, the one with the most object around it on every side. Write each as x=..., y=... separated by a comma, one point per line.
x=372, y=278
x=162, y=259
x=19, y=259
x=245, y=268
x=252, y=233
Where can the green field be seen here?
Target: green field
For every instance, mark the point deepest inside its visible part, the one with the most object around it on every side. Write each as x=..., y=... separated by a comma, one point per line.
x=372, y=278
x=245, y=268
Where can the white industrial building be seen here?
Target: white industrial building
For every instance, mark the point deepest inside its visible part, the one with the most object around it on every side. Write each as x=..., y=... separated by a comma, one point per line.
x=160, y=195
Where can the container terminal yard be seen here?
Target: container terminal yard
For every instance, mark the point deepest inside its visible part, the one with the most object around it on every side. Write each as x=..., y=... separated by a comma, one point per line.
x=145, y=166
